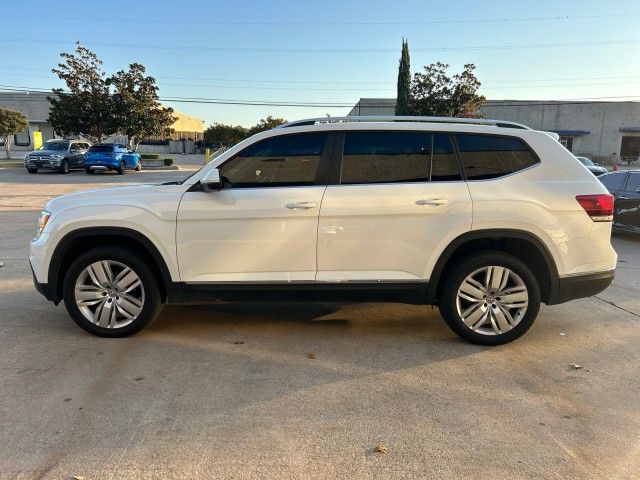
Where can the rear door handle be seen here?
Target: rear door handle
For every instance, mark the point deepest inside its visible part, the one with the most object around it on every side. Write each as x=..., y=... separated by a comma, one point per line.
x=301, y=205
x=621, y=197
x=434, y=202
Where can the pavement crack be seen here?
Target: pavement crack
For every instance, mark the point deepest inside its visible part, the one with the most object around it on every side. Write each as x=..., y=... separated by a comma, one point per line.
x=613, y=304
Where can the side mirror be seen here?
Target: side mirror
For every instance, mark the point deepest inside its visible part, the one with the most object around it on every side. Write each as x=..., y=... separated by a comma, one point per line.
x=211, y=181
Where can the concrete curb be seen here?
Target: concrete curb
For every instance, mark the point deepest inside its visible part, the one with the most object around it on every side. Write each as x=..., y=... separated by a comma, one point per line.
x=163, y=167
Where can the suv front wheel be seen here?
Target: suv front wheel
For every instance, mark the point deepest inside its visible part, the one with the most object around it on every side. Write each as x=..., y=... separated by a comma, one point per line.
x=110, y=292
x=490, y=298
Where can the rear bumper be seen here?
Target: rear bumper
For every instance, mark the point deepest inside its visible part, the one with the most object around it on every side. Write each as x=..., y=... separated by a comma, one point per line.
x=581, y=286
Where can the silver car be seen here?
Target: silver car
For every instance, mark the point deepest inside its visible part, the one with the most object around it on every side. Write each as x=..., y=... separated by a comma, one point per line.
x=59, y=155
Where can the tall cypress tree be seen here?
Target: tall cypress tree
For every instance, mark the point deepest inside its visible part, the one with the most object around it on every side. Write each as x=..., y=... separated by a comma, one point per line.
x=404, y=81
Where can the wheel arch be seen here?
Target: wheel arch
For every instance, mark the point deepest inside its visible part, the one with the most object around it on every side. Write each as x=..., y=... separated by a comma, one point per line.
x=519, y=243
x=83, y=239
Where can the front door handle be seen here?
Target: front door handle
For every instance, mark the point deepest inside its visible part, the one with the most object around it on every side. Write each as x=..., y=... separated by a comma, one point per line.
x=301, y=205
x=434, y=202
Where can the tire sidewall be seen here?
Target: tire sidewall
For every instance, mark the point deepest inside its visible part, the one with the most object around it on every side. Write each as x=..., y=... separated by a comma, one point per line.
x=459, y=273
x=152, y=303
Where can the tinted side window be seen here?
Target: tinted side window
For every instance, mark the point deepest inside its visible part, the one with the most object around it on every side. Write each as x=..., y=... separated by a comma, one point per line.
x=491, y=156
x=444, y=166
x=613, y=181
x=633, y=183
x=385, y=157
x=287, y=160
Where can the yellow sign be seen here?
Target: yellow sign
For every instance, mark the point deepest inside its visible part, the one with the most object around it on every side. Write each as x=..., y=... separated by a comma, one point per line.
x=37, y=140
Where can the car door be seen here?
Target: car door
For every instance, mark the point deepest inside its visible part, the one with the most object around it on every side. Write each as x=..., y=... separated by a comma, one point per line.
x=74, y=155
x=262, y=225
x=397, y=201
x=627, y=205
x=614, y=182
x=84, y=147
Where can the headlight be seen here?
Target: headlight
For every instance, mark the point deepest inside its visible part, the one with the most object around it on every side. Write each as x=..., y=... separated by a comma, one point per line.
x=42, y=222
x=56, y=157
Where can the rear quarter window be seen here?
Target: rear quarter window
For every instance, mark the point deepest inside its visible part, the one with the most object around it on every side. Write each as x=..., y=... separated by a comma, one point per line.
x=491, y=156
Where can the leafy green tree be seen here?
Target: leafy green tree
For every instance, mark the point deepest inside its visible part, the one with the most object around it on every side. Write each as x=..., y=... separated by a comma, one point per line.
x=137, y=111
x=86, y=109
x=404, y=81
x=266, y=124
x=11, y=122
x=434, y=93
x=221, y=135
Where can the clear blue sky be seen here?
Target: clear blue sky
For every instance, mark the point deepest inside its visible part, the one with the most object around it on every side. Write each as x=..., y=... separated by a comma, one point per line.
x=185, y=45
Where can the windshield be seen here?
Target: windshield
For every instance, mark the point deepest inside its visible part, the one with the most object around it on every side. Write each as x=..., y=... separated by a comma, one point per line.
x=585, y=161
x=55, y=145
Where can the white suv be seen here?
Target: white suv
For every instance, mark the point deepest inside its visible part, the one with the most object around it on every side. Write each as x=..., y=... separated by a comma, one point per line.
x=485, y=219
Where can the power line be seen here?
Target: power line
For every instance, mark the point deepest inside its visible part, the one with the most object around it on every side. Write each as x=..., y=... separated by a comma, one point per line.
x=4, y=69
x=225, y=101
x=328, y=50
x=204, y=100
x=322, y=23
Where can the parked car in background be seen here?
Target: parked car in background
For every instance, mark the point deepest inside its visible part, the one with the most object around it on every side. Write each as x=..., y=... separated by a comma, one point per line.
x=111, y=156
x=60, y=155
x=485, y=221
x=594, y=168
x=625, y=187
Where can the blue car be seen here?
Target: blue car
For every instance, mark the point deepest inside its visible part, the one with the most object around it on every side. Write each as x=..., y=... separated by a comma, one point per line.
x=111, y=156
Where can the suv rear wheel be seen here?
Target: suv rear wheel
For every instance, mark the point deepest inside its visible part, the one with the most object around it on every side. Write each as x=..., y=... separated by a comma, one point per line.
x=490, y=298
x=110, y=292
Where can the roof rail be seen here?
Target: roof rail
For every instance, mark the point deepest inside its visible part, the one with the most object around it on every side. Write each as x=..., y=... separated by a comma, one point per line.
x=394, y=118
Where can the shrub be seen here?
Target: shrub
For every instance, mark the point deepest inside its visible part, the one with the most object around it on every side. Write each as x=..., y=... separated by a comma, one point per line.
x=168, y=162
x=150, y=156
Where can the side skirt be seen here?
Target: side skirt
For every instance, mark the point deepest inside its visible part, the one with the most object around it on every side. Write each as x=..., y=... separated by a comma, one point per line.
x=414, y=293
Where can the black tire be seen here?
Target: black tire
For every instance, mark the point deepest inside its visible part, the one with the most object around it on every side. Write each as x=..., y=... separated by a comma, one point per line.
x=152, y=298
x=122, y=168
x=138, y=166
x=90, y=171
x=453, y=280
x=64, y=166
x=32, y=170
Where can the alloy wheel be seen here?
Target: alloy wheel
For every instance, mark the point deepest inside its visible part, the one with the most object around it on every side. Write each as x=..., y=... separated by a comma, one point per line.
x=109, y=294
x=492, y=300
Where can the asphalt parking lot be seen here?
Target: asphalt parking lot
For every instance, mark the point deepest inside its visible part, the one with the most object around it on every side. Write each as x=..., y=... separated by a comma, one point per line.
x=299, y=391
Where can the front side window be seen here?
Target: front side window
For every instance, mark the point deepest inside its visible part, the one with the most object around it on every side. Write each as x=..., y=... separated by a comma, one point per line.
x=287, y=160
x=613, y=181
x=387, y=157
x=490, y=156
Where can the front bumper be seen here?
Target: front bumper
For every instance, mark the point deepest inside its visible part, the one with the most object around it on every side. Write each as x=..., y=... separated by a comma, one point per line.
x=42, y=165
x=581, y=286
x=45, y=289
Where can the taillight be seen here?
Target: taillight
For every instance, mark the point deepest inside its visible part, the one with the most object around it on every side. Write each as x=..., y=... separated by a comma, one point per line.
x=598, y=207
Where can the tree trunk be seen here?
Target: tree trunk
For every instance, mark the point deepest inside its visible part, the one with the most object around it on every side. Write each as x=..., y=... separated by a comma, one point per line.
x=7, y=147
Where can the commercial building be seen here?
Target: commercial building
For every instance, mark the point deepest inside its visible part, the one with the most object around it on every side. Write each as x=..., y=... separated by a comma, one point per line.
x=35, y=106
x=603, y=131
